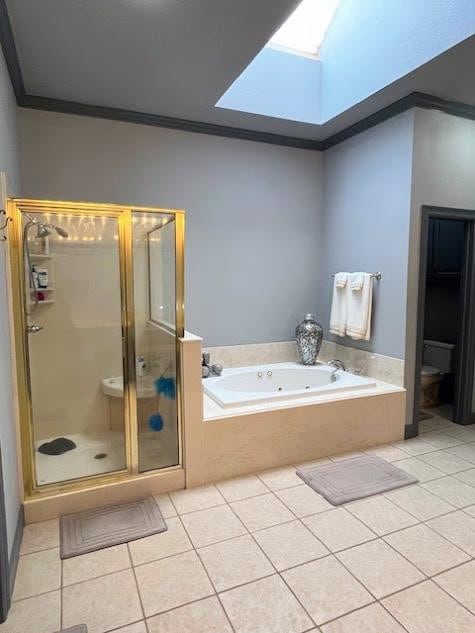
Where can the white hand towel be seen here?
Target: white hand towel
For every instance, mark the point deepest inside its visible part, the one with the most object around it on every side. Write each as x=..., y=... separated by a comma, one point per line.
x=356, y=281
x=341, y=279
x=358, y=324
x=338, y=310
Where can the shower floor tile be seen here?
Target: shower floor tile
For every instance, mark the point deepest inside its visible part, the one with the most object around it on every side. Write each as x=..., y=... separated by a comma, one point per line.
x=156, y=451
x=81, y=461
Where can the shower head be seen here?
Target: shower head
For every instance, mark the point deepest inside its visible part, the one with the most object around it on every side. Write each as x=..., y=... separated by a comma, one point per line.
x=61, y=231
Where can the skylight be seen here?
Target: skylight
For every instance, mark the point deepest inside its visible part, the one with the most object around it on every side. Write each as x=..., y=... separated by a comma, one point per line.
x=304, y=30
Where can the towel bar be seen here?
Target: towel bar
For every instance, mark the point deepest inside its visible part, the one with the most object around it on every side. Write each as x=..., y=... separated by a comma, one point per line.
x=376, y=276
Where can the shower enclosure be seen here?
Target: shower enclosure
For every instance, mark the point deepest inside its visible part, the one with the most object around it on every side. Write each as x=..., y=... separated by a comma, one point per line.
x=98, y=311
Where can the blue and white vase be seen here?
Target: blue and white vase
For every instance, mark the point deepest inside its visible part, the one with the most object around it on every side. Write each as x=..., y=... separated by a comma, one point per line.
x=309, y=335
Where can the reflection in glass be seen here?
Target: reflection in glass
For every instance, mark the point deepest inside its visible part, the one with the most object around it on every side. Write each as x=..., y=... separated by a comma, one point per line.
x=155, y=338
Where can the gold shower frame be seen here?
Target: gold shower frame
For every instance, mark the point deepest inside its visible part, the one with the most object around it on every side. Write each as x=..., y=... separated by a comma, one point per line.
x=123, y=215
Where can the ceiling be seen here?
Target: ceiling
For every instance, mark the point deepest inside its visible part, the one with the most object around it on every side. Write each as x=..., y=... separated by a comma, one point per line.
x=176, y=58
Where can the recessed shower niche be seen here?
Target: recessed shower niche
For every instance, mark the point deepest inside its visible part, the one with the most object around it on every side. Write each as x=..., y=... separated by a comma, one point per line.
x=98, y=306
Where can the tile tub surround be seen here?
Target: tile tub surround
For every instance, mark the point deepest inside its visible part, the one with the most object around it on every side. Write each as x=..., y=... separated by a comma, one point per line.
x=242, y=442
x=385, y=368
x=283, y=561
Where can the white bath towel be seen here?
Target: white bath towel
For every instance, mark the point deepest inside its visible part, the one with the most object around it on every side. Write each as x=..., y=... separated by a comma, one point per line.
x=339, y=303
x=359, y=304
x=356, y=281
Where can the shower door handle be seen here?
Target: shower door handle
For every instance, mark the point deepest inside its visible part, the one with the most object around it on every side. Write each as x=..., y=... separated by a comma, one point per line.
x=33, y=329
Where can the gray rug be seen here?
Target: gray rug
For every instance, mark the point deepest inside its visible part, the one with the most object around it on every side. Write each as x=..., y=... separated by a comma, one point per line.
x=354, y=478
x=90, y=530
x=79, y=628
x=424, y=416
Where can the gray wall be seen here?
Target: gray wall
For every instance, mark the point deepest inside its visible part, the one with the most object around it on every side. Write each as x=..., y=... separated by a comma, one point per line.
x=444, y=175
x=253, y=212
x=367, y=197
x=8, y=165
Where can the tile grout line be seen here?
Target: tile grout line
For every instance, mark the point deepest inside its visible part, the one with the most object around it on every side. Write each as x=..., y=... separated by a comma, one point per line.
x=209, y=577
x=278, y=573
x=136, y=585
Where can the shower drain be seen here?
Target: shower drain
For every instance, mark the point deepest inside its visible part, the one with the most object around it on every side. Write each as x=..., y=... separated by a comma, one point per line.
x=100, y=455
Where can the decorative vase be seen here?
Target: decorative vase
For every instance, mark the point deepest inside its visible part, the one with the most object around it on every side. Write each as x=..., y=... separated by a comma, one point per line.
x=309, y=335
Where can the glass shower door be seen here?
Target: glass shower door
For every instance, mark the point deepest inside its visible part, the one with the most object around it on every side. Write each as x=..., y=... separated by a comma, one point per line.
x=74, y=343
x=158, y=323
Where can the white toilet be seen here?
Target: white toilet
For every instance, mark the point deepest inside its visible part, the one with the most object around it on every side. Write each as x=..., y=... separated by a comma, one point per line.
x=437, y=359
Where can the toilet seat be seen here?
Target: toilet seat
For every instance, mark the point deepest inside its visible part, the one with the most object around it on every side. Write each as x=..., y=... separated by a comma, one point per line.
x=428, y=370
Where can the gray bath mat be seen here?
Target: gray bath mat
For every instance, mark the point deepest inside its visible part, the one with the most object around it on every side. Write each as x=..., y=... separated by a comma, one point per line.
x=79, y=628
x=90, y=530
x=424, y=416
x=354, y=478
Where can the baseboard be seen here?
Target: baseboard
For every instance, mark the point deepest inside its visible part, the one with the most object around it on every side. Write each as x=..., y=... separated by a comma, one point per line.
x=15, y=553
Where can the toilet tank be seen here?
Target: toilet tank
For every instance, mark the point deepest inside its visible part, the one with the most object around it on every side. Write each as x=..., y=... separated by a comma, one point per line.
x=439, y=355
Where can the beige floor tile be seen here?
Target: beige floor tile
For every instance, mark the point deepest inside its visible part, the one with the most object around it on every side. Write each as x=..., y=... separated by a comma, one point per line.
x=265, y=606
x=37, y=573
x=103, y=603
x=173, y=541
x=370, y=619
x=280, y=478
x=315, y=462
x=241, y=488
x=419, y=502
x=441, y=440
x=389, y=453
x=419, y=469
x=303, y=501
x=466, y=433
x=414, y=446
x=290, y=544
x=213, y=525
x=261, y=512
x=435, y=424
x=338, y=529
x=464, y=451
x=470, y=510
x=166, y=506
x=44, y=611
x=467, y=476
x=447, y=463
x=193, y=499
x=460, y=583
x=429, y=551
x=39, y=536
x=381, y=570
x=452, y=490
x=340, y=456
x=427, y=609
x=88, y=566
x=204, y=616
x=138, y=627
x=326, y=589
x=458, y=527
x=234, y=562
x=381, y=515
x=172, y=582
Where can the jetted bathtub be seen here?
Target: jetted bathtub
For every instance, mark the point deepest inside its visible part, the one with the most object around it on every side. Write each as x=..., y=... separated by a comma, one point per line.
x=280, y=381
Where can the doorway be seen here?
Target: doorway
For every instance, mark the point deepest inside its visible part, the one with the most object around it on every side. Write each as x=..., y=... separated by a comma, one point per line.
x=444, y=373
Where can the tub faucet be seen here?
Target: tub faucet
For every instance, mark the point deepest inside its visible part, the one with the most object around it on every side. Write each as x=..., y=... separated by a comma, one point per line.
x=337, y=364
x=208, y=370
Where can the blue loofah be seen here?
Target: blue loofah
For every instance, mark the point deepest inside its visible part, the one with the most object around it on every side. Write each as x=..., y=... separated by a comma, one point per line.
x=166, y=387
x=155, y=422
